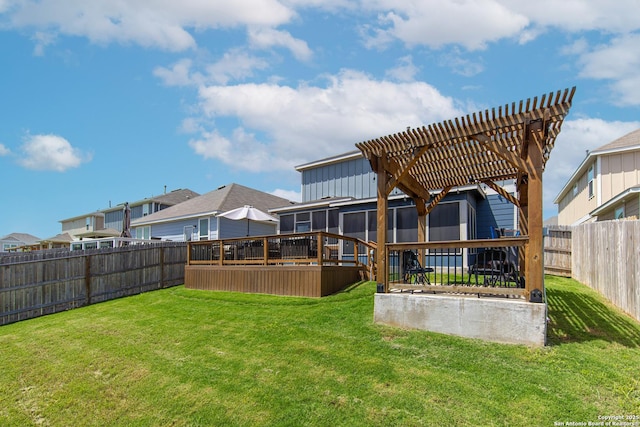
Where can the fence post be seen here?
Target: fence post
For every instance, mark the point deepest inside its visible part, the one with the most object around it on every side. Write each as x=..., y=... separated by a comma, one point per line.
x=87, y=277
x=161, y=266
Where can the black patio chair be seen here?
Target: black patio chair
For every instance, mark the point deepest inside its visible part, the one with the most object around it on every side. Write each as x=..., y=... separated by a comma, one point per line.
x=412, y=270
x=496, y=268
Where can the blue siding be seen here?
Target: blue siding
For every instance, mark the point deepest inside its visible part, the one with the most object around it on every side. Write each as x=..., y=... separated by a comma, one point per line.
x=494, y=211
x=351, y=178
x=172, y=230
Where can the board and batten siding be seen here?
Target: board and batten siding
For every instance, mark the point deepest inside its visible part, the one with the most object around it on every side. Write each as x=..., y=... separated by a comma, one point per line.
x=351, y=178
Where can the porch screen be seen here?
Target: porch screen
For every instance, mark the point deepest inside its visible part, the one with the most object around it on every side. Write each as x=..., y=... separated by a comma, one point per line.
x=407, y=225
x=444, y=222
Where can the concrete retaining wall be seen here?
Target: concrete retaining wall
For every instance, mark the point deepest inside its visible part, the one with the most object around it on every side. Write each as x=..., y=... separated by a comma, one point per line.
x=492, y=319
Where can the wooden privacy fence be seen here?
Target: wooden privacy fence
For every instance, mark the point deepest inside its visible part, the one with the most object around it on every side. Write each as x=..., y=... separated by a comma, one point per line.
x=36, y=284
x=557, y=250
x=606, y=257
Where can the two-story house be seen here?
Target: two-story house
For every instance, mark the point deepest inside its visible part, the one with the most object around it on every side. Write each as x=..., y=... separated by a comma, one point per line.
x=339, y=196
x=605, y=186
x=108, y=222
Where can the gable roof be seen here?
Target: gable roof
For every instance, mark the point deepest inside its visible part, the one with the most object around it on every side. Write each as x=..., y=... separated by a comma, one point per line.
x=220, y=200
x=25, y=238
x=172, y=198
x=628, y=142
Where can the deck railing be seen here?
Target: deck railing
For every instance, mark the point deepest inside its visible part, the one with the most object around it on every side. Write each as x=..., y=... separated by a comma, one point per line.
x=318, y=248
x=487, y=266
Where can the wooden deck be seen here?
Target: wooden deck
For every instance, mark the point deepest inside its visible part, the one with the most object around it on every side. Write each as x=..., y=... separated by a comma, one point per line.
x=304, y=264
x=292, y=280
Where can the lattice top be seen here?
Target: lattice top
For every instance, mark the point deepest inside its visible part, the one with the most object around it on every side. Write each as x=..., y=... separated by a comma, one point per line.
x=484, y=146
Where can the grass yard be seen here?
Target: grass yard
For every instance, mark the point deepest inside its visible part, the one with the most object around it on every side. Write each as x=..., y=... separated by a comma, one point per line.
x=179, y=357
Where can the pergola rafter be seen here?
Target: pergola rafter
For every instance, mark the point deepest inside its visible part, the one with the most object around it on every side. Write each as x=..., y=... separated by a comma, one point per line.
x=510, y=142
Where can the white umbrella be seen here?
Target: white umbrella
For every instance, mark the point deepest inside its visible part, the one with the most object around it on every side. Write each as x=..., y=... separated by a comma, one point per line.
x=250, y=214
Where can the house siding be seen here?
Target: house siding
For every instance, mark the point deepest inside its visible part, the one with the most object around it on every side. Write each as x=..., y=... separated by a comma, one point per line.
x=574, y=208
x=351, y=178
x=496, y=212
x=619, y=172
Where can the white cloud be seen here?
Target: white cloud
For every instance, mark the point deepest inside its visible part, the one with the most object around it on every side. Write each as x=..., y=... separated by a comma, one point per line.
x=435, y=23
x=296, y=125
x=617, y=61
x=405, y=71
x=4, y=151
x=155, y=23
x=178, y=75
x=266, y=38
x=50, y=153
x=294, y=196
x=578, y=136
x=234, y=65
x=579, y=15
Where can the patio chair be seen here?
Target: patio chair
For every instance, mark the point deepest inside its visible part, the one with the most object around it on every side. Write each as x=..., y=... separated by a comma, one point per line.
x=412, y=270
x=496, y=268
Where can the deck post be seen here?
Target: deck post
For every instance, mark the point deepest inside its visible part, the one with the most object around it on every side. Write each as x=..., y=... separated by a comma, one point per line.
x=320, y=245
x=265, y=250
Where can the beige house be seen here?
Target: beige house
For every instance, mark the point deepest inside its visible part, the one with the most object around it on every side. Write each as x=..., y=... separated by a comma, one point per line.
x=605, y=186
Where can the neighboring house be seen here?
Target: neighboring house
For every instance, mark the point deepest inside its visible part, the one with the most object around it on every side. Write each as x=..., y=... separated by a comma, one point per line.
x=17, y=240
x=339, y=196
x=87, y=226
x=113, y=215
x=605, y=186
x=197, y=218
x=108, y=222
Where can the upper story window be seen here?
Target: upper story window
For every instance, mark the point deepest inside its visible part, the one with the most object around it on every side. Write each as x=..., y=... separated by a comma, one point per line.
x=575, y=189
x=590, y=181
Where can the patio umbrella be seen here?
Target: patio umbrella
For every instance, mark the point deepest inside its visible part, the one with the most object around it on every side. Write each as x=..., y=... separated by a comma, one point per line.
x=249, y=213
x=126, y=221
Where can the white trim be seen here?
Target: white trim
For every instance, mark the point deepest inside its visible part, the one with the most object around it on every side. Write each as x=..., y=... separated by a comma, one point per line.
x=598, y=178
x=582, y=220
x=315, y=204
x=352, y=155
x=611, y=202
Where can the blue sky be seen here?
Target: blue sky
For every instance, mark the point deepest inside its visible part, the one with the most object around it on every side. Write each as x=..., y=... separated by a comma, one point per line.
x=108, y=101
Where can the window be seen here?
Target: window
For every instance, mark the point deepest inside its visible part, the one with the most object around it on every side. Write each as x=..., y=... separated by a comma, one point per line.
x=203, y=227
x=444, y=222
x=575, y=189
x=303, y=222
x=145, y=209
x=590, y=181
x=619, y=214
x=286, y=223
x=143, y=232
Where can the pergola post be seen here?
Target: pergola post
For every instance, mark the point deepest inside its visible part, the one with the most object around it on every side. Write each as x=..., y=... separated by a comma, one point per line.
x=382, y=275
x=534, y=254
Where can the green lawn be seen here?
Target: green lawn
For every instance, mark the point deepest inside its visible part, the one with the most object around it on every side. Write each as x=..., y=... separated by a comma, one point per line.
x=178, y=357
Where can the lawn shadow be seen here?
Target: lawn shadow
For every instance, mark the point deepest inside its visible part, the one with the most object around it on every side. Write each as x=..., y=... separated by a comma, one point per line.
x=579, y=317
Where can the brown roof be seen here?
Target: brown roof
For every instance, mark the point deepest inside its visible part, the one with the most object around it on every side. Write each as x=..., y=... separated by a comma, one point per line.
x=217, y=201
x=629, y=140
x=486, y=146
